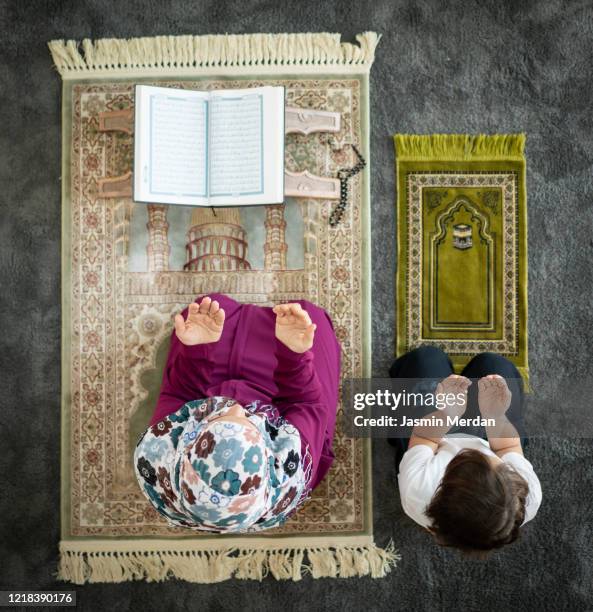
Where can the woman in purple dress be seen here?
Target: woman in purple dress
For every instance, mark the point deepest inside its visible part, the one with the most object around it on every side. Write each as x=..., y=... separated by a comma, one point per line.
x=243, y=428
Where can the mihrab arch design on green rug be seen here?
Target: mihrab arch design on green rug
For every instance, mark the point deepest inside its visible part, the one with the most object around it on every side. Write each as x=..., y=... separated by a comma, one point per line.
x=460, y=278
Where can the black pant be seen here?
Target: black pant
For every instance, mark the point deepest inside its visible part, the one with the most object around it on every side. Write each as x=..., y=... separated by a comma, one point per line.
x=430, y=362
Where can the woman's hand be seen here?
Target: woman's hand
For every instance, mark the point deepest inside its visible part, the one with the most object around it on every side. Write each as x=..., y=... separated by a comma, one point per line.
x=494, y=396
x=294, y=327
x=456, y=386
x=204, y=323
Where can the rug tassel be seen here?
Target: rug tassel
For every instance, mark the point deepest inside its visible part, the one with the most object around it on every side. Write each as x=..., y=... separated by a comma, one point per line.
x=382, y=559
x=322, y=563
x=167, y=52
x=251, y=565
x=215, y=566
x=284, y=566
x=361, y=563
x=185, y=566
x=464, y=147
x=347, y=566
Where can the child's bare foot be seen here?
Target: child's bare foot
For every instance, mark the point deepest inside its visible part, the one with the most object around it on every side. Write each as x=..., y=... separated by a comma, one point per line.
x=204, y=323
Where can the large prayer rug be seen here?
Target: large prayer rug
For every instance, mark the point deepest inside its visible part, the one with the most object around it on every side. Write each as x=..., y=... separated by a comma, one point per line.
x=127, y=268
x=462, y=245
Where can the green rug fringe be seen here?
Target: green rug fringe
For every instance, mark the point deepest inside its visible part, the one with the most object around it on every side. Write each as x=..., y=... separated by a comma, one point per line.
x=463, y=147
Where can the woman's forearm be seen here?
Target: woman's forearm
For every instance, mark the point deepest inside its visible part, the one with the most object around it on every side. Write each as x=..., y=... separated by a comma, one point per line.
x=186, y=372
x=295, y=376
x=299, y=398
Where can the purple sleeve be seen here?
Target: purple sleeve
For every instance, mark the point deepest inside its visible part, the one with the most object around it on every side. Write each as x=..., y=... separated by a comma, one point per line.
x=299, y=399
x=185, y=375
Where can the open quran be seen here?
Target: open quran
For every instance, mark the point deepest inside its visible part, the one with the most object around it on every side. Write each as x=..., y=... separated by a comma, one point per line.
x=209, y=148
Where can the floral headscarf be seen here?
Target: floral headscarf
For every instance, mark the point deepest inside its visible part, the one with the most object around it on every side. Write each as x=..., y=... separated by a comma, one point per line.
x=223, y=476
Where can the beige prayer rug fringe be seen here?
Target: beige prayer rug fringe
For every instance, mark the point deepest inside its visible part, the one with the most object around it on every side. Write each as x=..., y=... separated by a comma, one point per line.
x=216, y=565
x=127, y=268
x=184, y=55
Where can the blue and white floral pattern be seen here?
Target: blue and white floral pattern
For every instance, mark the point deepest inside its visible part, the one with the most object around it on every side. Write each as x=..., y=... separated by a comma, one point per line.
x=228, y=451
x=155, y=448
x=201, y=469
x=223, y=476
x=252, y=460
x=227, y=482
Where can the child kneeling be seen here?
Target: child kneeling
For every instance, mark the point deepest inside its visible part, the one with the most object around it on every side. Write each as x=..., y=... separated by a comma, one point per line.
x=469, y=492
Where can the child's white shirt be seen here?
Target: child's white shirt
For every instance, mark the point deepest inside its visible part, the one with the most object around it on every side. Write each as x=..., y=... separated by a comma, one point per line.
x=421, y=471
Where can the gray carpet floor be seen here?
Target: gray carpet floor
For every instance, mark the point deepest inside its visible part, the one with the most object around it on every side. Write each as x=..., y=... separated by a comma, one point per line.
x=489, y=66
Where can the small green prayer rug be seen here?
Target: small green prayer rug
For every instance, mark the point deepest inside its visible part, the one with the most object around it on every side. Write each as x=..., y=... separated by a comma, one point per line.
x=462, y=245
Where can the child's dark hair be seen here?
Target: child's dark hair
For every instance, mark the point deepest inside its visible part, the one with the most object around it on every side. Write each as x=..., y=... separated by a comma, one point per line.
x=477, y=507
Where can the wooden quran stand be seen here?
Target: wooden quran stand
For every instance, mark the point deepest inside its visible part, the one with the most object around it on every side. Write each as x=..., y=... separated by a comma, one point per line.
x=296, y=184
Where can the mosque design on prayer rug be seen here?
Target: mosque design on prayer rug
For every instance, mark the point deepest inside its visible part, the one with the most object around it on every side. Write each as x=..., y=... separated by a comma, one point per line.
x=462, y=246
x=128, y=268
